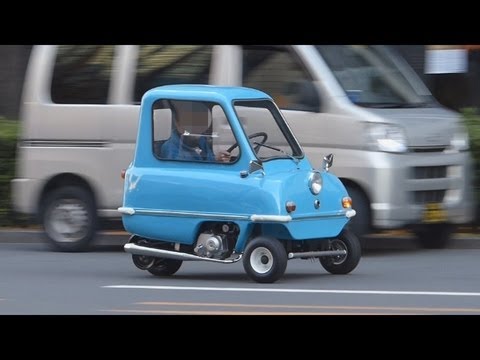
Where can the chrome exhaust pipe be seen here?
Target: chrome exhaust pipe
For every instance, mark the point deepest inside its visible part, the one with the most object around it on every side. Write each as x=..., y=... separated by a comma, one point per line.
x=313, y=254
x=167, y=254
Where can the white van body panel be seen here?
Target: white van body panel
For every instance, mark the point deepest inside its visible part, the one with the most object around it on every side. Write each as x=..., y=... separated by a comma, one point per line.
x=93, y=142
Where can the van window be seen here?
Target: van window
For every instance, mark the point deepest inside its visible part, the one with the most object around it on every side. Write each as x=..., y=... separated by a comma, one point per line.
x=171, y=64
x=277, y=72
x=82, y=74
x=370, y=76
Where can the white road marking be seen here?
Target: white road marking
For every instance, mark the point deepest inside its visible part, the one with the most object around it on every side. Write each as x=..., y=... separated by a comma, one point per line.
x=317, y=291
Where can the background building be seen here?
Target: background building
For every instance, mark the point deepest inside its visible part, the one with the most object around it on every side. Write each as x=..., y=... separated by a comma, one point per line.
x=455, y=90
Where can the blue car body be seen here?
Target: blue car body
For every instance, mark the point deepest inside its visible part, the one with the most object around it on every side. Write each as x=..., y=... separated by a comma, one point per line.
x=174, y=201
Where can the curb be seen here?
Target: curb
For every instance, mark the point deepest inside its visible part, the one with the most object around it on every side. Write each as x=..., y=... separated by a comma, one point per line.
x=395, y=240
x=408, y=242
x=29, y=236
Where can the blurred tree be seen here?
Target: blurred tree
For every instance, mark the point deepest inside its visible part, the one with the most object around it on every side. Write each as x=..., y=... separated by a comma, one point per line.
x=13, y=63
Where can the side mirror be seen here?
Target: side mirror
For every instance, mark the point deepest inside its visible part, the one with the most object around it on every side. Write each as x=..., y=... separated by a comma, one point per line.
x=327, y=162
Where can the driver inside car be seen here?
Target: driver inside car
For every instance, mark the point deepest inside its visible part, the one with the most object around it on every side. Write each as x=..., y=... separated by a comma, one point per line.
x=191, y=136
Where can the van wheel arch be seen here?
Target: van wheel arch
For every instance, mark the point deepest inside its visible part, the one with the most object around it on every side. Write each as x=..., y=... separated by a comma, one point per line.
x=361, y=223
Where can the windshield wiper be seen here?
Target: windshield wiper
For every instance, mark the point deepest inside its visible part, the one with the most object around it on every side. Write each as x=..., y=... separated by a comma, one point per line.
x=279, y=150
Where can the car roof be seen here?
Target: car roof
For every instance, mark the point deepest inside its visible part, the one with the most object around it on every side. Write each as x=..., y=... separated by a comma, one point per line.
x=206, y=92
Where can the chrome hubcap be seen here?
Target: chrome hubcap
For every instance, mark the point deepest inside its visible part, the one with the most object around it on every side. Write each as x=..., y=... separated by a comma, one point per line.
x=338, y=245
x=261, y=260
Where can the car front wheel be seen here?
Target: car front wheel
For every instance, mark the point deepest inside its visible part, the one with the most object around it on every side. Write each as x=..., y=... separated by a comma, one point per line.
x=265, y=260
x=345, y=263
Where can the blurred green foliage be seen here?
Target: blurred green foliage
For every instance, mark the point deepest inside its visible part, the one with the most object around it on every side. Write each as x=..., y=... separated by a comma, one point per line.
x=8, y=141
x=471, y=117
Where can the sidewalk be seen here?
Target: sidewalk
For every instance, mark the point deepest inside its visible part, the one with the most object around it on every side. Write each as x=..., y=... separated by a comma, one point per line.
x=462, y=239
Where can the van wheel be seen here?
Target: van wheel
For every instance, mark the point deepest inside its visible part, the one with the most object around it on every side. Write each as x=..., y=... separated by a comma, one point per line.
x=265, y=260
x=435, y=236
x=360, y=223
x=343, y=264
x=69, y=218
x=165, y=267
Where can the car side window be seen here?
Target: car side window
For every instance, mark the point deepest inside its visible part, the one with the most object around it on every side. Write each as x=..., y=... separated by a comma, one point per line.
x=171, y=64
x=162, y=125
x=276, y=71
x=190, y=131
x=81, y=74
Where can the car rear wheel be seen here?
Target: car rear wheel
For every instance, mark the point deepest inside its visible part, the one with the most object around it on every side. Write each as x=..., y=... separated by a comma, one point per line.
x=142, y=262
x=165, y=267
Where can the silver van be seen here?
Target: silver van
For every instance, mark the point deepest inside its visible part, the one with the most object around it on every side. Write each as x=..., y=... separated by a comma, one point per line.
x=403, y=158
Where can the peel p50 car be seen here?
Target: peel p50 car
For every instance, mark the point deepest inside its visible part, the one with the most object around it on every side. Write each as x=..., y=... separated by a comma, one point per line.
x=218, y=176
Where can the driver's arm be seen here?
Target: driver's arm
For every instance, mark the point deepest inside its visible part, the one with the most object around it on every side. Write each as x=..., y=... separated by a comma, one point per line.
x=223, y=156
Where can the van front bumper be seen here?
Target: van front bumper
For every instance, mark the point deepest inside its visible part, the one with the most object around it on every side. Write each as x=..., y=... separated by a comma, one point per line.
x=405, y=190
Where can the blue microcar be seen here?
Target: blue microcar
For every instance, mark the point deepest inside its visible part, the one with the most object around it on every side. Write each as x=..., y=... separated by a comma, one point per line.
x=218, y=176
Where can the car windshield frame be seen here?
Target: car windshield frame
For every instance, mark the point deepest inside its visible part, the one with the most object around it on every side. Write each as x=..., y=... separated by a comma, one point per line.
x=280, y=145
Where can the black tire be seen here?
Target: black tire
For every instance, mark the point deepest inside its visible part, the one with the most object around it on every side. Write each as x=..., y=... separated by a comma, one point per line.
x=343, y=264
x=69, y=218
x=142, y=262
x=265, y=260
x=165, y=267
x=435, y=236
x=360, y=224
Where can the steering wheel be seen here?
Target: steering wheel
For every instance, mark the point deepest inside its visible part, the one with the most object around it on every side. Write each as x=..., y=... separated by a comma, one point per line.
x=254, y=135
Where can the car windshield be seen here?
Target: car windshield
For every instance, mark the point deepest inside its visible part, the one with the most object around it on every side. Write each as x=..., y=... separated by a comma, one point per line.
x=375, y=76
x=266, y=129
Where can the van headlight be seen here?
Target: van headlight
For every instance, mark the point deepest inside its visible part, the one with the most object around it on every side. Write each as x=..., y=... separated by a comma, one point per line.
x=315, y=183
x=386, y=137
x=460, y=141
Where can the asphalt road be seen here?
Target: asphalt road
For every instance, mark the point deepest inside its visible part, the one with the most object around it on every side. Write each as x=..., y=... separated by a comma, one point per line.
x=384, y=240
x=35, y=281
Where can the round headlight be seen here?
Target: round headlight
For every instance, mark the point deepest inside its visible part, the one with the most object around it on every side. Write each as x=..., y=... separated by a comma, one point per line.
x=315, y=183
